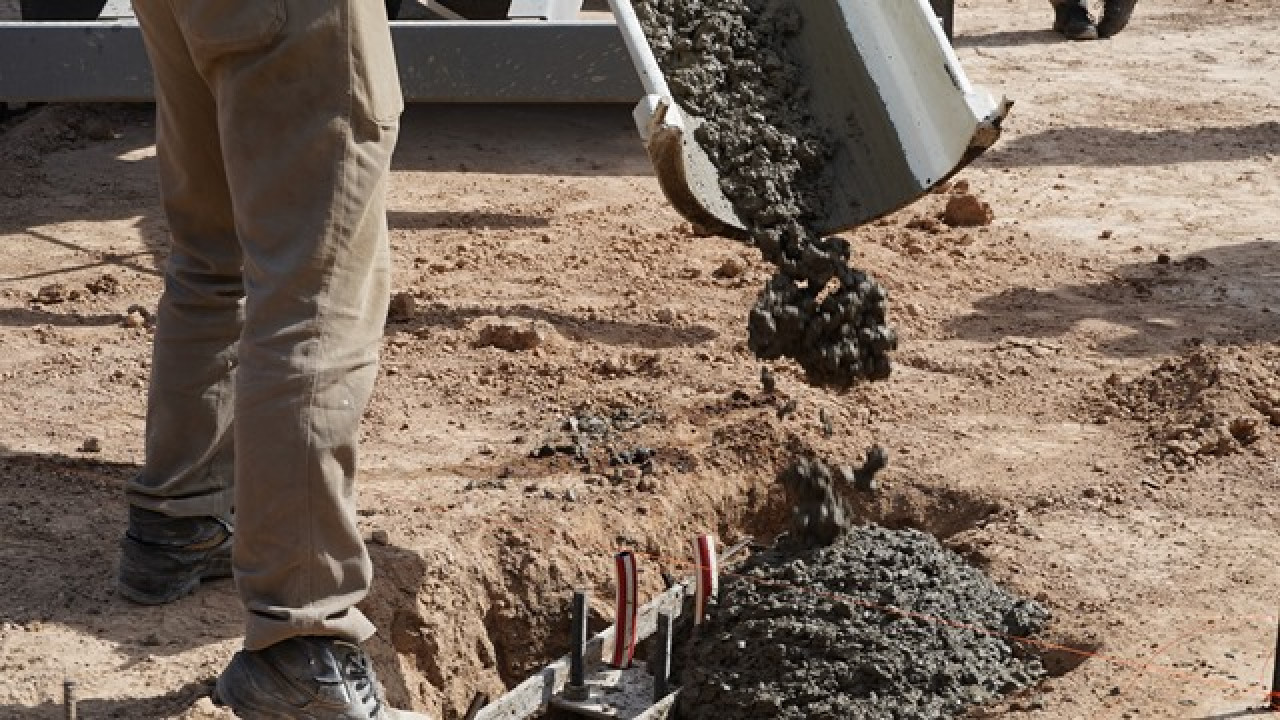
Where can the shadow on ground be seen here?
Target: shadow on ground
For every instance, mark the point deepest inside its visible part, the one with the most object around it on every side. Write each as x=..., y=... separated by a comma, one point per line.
x=1227, y=295
x=60, y=523
x=570, y=140
x=567, y=140
x=1009, y=38
x=1114, y=147
x=168, y=705
x=575, y=328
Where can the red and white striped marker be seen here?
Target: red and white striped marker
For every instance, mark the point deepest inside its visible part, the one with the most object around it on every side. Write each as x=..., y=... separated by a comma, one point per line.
x=624, y=639
x=708, y=577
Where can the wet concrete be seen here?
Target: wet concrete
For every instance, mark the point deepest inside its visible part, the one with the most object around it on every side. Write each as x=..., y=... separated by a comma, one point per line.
x=728, y=62
x=880, y=625
x=819, y=514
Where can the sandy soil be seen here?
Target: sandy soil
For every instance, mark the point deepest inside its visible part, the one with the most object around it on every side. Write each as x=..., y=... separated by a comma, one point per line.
x=1090, y=424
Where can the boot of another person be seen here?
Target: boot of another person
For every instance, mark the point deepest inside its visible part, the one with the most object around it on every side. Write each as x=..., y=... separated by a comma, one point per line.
x=305, y=678
x=164, y=558
x=1115, y=16
x=1073, y=20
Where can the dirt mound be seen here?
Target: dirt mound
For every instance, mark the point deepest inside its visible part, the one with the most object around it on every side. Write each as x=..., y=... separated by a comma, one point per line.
x=28, y=138
x=882, y=624
x=1208, y=403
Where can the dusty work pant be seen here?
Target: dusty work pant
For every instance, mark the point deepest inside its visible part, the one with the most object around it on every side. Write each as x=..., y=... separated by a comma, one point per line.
x=276, y=123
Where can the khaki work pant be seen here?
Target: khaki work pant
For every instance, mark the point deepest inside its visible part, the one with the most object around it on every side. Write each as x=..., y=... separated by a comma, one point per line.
x=276, y=121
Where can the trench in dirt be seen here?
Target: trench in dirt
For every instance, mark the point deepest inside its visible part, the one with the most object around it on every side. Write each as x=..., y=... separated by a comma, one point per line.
x=519, y=621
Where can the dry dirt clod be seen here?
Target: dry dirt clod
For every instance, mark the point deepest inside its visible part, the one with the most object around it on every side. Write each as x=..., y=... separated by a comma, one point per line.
x=401, y=308
x=514, y=335
x=53, y=294
x=731, y=268
x=967, y=211
x=106, y=284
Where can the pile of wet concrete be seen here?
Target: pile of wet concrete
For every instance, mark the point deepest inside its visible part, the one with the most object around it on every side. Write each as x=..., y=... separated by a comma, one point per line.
x=729, y=63
x=881, y=624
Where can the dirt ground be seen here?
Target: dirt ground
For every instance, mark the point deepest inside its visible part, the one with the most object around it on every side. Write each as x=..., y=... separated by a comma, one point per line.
x=1085, y=401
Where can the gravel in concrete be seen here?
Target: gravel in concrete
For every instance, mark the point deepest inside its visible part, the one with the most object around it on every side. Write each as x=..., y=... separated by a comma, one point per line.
x=876, y=626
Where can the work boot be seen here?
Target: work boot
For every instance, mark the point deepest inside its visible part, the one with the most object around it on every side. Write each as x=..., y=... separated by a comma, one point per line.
x=1115, y=16
x=1072, y=19
x=305, y=678
x=164, y=558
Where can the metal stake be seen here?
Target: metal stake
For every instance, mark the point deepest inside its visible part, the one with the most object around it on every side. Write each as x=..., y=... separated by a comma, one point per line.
x=1275, y=676
x=660, y=663
x=69, y=697
x=577, y=689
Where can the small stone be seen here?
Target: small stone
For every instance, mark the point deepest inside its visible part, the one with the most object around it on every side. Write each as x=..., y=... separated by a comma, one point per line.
x=665, y=315
x=1105, y=235
x=549, y=494
x=1163, y=259
x=570, y=495
x=91, y=445
x=133, y=320
x=380, y=537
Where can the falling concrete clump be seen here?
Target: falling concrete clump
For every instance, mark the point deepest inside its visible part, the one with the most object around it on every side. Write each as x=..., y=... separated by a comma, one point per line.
x=880, y=625
x=727, y=62
x=819, y=514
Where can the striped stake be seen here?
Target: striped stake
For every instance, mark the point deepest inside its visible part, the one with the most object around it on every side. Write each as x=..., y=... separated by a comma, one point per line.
x=708, y=578
x=624, y=639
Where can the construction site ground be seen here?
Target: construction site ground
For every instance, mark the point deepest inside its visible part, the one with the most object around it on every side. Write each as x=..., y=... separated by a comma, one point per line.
x=1085, y=402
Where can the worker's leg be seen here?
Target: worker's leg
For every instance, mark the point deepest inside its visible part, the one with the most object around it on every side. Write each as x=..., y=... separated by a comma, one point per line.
x=308, y=106
x=172, y=541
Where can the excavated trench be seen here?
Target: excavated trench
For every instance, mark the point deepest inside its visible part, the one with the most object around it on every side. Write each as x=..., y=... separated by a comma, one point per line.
x=884, y=622
x=877, y=625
